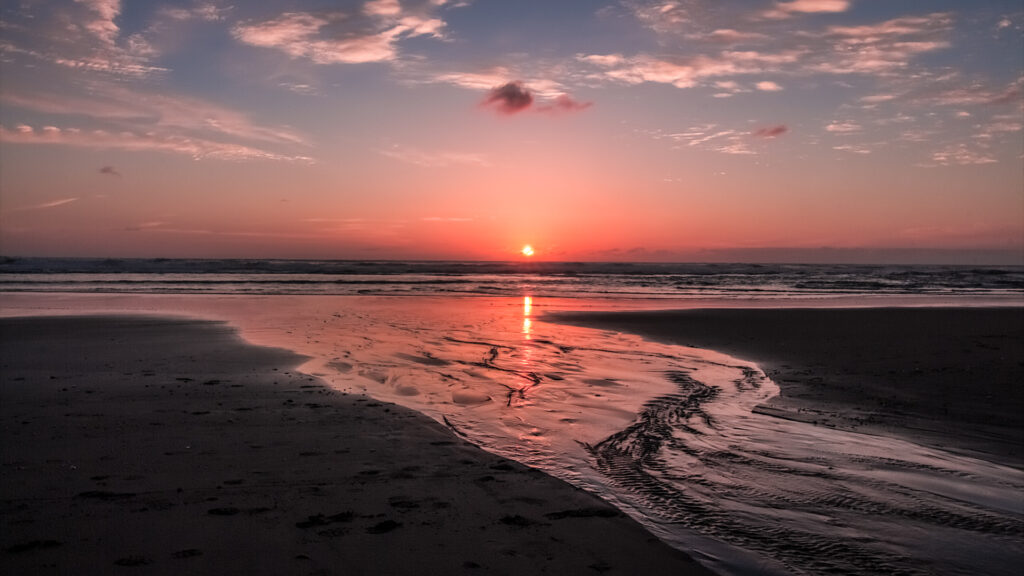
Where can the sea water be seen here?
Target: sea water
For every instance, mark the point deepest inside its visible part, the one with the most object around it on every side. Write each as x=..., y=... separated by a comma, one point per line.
x=666, y=433
x=536, y=279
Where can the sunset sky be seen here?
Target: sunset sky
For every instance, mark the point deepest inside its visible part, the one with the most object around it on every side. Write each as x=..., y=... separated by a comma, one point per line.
x=443, y=129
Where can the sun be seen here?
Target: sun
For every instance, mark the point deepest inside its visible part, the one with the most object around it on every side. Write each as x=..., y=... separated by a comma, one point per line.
x=527, y=250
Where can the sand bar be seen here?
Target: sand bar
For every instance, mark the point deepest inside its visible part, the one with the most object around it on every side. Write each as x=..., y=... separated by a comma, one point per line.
x=171, y=446
x=945, y=377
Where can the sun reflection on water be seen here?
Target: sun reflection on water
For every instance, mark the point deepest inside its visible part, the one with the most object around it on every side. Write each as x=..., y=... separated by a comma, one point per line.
x=527, y=323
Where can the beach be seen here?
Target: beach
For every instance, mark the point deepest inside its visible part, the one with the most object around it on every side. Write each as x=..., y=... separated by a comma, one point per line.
x=172, y=446
x=945, y=377
x=507, y=435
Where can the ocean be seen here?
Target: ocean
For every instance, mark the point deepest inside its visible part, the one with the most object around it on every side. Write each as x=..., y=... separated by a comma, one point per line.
x=667, y=434
x=537, y=279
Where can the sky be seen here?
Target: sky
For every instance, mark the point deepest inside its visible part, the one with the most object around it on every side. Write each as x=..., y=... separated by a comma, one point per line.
x=625, y=130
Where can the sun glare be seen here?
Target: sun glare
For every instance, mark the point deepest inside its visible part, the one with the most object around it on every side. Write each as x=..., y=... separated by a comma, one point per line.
x=527, y=250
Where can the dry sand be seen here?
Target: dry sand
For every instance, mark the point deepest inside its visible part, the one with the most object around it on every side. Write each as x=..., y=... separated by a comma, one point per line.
x=946, y=377
x=170, y=447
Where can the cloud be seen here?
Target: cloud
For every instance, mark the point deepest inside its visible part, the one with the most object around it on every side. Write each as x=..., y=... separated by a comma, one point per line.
x=784, y=10
x=343, y=38
x=962, y=155
x=564, y=103
x=729, y=36
x=509, y=98
x=435, y=159
x=689, y=71
x=877, y=98
x=770, y=132
x=81, y=35
x=852, y=149
x=111, y=115
x=843, y=127
x=481, y=80
x=445, y=219
x=144, y=226
x=978, y=94
x=298, y=35
x=881, y=50
x=197, y=148
x=663, y=16
x=110, y=171
x=726, y=141
x=45, y=205
x=206, y=12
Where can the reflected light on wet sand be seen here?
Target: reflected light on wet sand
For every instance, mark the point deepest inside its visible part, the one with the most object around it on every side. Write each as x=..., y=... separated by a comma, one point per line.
x=527, y=323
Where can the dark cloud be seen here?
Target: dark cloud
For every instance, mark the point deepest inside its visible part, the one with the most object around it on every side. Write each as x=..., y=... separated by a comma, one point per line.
x=771, y=131
x=110, y=171
x=509, y=98
x=565, y=103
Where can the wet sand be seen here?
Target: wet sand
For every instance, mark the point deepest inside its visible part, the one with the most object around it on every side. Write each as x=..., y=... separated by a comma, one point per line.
x=172, y=446
x=945, y=377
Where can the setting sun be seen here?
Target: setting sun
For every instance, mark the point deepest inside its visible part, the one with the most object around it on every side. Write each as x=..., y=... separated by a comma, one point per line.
x=527, y=250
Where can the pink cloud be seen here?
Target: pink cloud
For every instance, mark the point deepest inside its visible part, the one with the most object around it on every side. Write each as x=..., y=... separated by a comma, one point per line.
x=962, y=155
x=788, y=9
x=203, y=12
x=161, y=117
x=82, y=35
x=340, y=38
x=768, y=86
x=564, y=103
x=843, y=127
x=299, y=36
x=198, y=148
x=730, y=36
x=691, y=71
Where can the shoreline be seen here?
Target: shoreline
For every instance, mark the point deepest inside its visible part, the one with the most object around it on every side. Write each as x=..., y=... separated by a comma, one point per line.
x=173, y=445
x=945, y=377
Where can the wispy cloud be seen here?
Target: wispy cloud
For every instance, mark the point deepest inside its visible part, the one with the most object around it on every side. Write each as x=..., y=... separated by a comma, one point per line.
x=82, y=35
x=346, y=38
x=977, y=94
x=195, y=147
x=110, y=171
x=435, y=159
x=299, y=35
x=45, y=205
x=843, y=127
x=198, y=11
x=725, y=140
x=852, y=148
x=882, y=48
x=111, y=115
x=688, y=71
x=877, y=50
x=563, y=103
x=962, y=155
x=783, y=10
